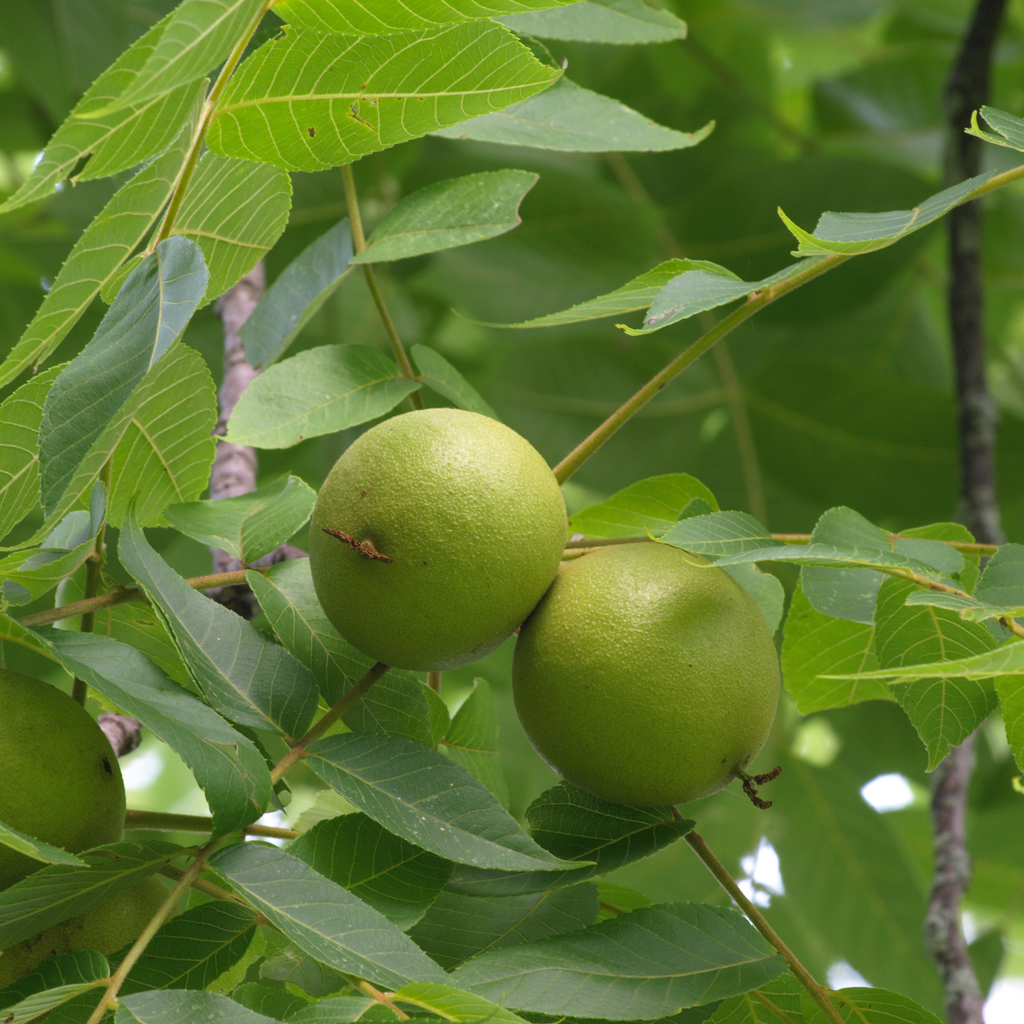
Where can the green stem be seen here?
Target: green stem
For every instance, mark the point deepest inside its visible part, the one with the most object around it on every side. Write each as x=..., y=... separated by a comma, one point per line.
x=434, y=681
x=375, y=993
x=755, y=302
x=205, y=887
x=757, y=919
x=359, y=242
x=343, y=705
x=165, y=822
x=67, y=611
x=209, y=109
x=117, y=979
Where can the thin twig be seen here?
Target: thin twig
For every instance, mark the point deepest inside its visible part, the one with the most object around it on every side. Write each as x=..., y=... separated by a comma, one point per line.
x=341, y=707
x=757, y=919
x=164, y=821
x=966, y=89
x=359, y=243
x=132, y=595
x=109, y=998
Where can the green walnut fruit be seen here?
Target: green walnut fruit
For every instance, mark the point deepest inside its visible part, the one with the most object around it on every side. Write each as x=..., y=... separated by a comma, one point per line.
x=106, y=928
x=644, y=678
x=433, y=537
x=59, y=777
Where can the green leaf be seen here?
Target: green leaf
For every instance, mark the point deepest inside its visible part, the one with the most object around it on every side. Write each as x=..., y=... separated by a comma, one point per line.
x=968, y=573
x=113, y=235
x=165, y=453
x=36, y=848
x=175, y=1006
x=1005, y=660
x=277, y=1003
x=284, y=961
x=571, y=118
x=633, y=295
x=299, y=291
x=285, y=593
x=1010, y=129
x=472, y=740
x=765, y=589
x=1011, y=698
x=27, y=575
x=53, y=983
x=646, y=964
x=720, y=533
x=845, y=593
x=827, y=554
x=852, y=891
x=966, y=607
x=59, y=891
x=229, y=769
x=449, y=213
x=439, y=375
x=234, y=210
x=650, y=505
x=196, y=38
x=20, y=416
x=320, y=391
x=458, y=927
x=384, y=16
x=245, y=676
x=816, y=647
x=152, y=309
x=601, y=21
x=250, y=525
x=394, y=877
x=323, y=918
x=871, y=1006
x=1002, y=582
x=696, y=291
x=194, y=949
x=581, y=828
x=778, y=1002
x=336, y=1010
x=399, y=705
x=850, y=234
x=945, y=711
x=116, y=141
x=308, y=101
x=423, y=797
x=451, y=1004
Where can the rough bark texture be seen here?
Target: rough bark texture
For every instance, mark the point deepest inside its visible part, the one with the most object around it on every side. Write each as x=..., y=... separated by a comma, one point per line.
x=235, y=467
x=966, y=90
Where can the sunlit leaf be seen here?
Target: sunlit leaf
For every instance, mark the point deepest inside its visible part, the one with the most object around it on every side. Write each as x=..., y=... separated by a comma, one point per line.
x=100, y=250
x=383, y=16
x=234, y=210
x=317, y=392
x=309, y=101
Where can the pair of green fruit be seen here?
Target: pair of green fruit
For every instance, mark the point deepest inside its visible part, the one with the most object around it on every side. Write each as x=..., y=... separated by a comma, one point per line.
x=641, y=674
x=60, y=782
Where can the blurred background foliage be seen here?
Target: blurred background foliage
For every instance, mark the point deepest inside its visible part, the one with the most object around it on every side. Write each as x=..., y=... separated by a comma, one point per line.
x=839, y=394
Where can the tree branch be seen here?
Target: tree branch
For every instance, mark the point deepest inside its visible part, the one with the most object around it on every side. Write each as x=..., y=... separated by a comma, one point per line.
x=966, y=89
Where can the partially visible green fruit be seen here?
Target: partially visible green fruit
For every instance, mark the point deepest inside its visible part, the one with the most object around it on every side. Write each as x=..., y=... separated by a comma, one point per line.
x=59, y=777
x=471, y=521
x=106, y=928
x=644, y=678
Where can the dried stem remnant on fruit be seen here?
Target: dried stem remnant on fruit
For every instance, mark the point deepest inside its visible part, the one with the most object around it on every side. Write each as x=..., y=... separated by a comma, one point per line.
x=751, y=782
x=365, y=548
